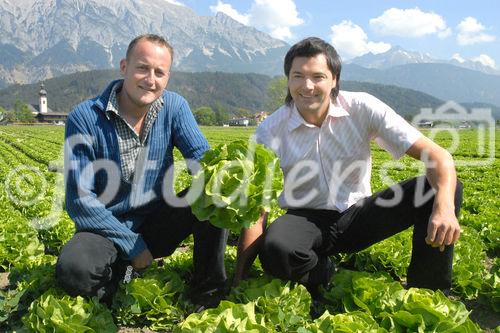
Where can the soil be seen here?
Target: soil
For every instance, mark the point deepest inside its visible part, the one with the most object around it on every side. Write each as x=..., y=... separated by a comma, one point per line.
x=483, y=315
x=134, y=330
x=4, y=280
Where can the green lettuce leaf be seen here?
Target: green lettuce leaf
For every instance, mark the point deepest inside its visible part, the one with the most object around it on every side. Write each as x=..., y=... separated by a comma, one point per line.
x=352, y=322
x=395, y=308
x=285, y=306
x=53, y=312
x=239, y=179
x=227, y=317
x=152, y=300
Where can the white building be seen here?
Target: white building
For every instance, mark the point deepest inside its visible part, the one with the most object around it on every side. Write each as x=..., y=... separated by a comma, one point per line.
x=42, y=111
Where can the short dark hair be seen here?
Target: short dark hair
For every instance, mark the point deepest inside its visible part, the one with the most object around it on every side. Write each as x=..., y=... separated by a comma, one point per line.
x=311, y=47
x=150, y=38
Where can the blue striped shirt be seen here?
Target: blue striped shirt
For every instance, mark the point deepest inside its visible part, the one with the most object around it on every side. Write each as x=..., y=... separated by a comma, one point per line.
x=105, y=202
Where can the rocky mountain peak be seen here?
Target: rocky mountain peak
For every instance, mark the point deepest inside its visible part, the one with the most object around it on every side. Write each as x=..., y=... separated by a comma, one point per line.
x=397, y=56
x=53, y=37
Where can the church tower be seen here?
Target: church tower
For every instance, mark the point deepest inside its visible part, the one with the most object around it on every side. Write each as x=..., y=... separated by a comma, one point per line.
x=43, y=99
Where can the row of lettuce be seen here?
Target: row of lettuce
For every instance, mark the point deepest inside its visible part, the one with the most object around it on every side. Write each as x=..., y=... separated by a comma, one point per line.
x=32, y=235
x=357, y=302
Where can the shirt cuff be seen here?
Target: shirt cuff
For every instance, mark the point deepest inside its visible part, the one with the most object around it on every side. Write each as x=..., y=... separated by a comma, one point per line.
x=138, y=247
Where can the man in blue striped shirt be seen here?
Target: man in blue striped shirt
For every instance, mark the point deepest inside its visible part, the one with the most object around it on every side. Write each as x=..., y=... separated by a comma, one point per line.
x=118, y=153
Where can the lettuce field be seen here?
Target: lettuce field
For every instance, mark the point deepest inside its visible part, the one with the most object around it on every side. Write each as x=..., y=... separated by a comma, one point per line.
x=367, y=292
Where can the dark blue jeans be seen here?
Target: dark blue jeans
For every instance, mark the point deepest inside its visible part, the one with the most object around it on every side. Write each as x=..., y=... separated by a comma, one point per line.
x=90, y=264
x=295, y=243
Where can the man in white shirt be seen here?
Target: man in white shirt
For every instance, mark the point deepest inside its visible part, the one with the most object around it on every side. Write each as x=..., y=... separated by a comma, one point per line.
x=322, y=136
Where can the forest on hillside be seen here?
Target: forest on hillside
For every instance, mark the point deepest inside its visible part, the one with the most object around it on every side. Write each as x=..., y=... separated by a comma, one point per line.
x=232, y=94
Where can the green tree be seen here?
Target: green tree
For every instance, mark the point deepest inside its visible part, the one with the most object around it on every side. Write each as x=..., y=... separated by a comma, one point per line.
x=22, y=113
x=2, y=114
x=9, y=117
x=242, y=112
x=222, y=116
x=276, y=93
x=204, y=116
x=25, y=115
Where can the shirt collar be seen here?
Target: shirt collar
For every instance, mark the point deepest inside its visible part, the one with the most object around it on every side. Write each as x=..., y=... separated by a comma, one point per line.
x=112, y=106
x=335, y=110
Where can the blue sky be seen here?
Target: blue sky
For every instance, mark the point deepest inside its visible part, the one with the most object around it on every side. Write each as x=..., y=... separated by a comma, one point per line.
x=444, y=29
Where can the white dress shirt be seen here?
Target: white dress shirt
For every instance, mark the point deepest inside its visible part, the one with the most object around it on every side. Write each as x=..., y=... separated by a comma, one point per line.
x=329, y=167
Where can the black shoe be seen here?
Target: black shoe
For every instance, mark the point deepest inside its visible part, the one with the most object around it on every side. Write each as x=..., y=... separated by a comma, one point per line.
x=320, y=276
x=317, y=309
x=208, y=295
x=318, y=303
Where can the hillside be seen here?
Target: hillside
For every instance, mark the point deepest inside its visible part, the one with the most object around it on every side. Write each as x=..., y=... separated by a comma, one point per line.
x=229, y=90
x=444, y=81
x=405, y=101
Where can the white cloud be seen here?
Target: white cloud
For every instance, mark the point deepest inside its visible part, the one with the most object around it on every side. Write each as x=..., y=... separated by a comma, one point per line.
x=175, y=2
x=444, y=33
x=274, y=17
x=351, y=41
x=410, y=23
x=485, y=60
x=458, y=57
x=230, y=11
x=471, y=31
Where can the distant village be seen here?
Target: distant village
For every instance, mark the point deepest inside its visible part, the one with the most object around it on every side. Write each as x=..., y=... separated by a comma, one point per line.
x=248, y=121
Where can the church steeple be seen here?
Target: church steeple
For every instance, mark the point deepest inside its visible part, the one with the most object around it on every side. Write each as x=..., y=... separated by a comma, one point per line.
x=42, y=108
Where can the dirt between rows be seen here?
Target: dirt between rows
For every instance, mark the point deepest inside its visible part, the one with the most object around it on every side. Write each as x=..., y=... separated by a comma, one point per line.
x=4, y=280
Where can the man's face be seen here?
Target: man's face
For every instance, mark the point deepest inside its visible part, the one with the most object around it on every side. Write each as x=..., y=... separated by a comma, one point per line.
x=145, y=73
x=310, y=83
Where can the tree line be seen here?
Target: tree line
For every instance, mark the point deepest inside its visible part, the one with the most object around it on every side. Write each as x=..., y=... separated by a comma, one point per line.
x=214, y=97
x=20, y=113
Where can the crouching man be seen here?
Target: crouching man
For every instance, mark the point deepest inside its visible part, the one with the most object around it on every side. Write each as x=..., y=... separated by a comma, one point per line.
x=322, y=136
x=119, y=147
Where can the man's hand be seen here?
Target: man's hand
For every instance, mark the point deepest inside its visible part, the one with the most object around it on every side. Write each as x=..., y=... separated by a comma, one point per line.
x=248, y=246
x=143, y=260
x=443, y=229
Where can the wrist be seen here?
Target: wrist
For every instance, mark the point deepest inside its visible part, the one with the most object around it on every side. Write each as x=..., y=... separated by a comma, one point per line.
x=444, y=201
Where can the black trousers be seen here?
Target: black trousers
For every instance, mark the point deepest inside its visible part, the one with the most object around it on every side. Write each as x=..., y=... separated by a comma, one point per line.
x=294, y=242
x=90, y=264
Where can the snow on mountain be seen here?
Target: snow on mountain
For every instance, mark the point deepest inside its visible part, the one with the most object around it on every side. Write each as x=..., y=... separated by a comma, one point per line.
x=398, y=56
x=45, y=38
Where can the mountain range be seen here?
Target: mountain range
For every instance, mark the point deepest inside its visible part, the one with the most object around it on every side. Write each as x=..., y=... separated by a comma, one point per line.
x=465, y=81
x=397, y=56
x=41, y=39
x=444, y=81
